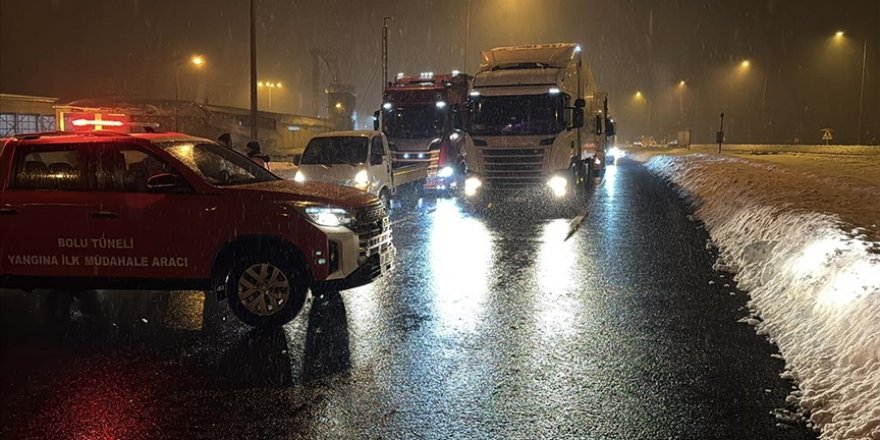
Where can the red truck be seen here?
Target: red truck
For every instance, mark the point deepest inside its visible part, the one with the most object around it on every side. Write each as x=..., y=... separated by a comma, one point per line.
x=420, y=116
x=110, y=210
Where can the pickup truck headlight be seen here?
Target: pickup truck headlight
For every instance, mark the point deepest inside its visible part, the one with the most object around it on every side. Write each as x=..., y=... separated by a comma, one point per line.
x=361, y=178
x=446, y=172
x=329, y=216
x=299, y=176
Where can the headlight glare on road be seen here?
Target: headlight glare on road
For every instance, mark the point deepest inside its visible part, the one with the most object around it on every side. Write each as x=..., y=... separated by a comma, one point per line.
x=299, y=177
x=328, y=216
x=446, y=172
x=471, y=185
x=559, y=185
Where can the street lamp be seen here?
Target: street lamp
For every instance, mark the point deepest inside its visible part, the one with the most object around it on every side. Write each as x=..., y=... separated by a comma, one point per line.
x=269, y=85
x=839, y=36
x=195, y=60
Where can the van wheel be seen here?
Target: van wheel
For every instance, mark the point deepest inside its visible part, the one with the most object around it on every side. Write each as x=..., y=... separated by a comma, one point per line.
x=266, y=291
x=385, y=198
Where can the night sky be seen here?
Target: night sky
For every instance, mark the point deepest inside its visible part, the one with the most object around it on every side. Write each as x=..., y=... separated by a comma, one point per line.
x=800, y=80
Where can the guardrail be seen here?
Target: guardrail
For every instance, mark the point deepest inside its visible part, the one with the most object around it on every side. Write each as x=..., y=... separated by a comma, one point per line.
x=856, y=150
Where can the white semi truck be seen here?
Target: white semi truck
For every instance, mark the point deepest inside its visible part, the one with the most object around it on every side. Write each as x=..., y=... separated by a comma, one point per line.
x=528, y=135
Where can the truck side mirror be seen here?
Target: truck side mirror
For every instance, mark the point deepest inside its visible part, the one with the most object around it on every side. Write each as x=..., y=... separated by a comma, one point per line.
x=580, y=103
x=598, y=124
x=577, y=118
x=376, y=115
x=457, y=122
x=297, y=158
x=165, y=182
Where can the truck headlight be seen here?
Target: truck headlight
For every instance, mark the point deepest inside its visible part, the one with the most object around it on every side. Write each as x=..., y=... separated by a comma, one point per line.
x=471, y=185
x=299, y=176
x=559, y=185
x=446, y=172
x=328, y=216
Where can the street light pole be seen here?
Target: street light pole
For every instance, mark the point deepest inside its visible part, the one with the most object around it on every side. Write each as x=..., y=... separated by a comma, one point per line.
x=176, y=96
x=385, y=21
x=862, y=89
x=254, y=131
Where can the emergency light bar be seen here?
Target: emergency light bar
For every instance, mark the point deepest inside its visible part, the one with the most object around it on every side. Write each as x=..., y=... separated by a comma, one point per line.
x=96, y=122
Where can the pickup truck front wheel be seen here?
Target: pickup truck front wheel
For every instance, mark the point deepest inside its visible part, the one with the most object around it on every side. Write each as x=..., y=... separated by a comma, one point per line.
x=266, y=291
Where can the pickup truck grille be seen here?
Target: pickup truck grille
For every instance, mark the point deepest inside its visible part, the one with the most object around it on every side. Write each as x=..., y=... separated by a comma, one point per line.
x=512, y=169
x=373, y=229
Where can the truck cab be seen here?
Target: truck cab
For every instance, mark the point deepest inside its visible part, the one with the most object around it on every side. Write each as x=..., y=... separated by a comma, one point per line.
x=361, y=160
x=528, y=133
x=167, y=211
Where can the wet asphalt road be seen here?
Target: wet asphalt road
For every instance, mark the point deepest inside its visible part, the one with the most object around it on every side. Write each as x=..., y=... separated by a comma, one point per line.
x=491, y=326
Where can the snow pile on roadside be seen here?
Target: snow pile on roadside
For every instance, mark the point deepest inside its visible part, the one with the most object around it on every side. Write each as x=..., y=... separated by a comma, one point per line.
x=804, y=252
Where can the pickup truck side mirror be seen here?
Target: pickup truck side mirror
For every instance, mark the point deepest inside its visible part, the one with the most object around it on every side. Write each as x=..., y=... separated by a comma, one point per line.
x=577, y=117
x=297, y=158
x=165, y=182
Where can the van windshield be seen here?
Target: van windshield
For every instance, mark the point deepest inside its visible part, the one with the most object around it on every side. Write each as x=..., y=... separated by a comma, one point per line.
x=218, y=165
x=351, y=150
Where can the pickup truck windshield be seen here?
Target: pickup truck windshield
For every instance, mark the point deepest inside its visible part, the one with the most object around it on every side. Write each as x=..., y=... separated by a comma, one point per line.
x=517, y=115
x=218, y=165
x=351, y=150
x=415, y=122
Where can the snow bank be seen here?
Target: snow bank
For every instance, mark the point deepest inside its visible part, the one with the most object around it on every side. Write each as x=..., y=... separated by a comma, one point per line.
x=855, y=150
x=813, y=275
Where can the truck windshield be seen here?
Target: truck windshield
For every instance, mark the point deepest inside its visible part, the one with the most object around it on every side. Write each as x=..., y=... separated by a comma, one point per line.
x=517, y=115
x=350, y=150
x=218, y=165
x=415, y=122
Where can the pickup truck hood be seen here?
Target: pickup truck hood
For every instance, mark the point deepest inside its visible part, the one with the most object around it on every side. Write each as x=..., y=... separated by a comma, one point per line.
x=317, y=192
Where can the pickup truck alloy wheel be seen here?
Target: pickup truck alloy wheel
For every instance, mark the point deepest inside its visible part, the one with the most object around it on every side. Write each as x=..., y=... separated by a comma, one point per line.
x=267, y=290
x=263, y=289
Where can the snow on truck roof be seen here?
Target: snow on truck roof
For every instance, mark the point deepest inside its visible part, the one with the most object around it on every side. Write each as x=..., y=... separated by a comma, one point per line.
x=557, y=55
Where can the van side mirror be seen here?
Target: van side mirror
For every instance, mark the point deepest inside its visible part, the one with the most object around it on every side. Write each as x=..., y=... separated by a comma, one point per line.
x=297, y=158
x=610, y=127
x=577, y=117
x=165, y=182
x=376, y=115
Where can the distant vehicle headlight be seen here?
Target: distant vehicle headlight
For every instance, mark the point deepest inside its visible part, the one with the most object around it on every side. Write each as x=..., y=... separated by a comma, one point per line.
x=616, y=152
x=328, y=216
x=299, y=176
x=559, y=185
x=471, y=185
x=446, y=172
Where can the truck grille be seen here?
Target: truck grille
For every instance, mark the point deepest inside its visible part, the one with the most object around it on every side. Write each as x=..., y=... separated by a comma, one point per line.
x=511, y=169
x=373, y=229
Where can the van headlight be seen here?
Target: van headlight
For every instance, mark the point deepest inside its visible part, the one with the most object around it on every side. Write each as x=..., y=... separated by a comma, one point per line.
x=471, y=185
x=328, y=215
x=446, y=172
x=559, y=185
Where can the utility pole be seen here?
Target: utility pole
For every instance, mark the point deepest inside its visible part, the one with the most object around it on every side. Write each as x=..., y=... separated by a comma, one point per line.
x=467, y=35
x=385, y=21
x=719, y=137
x=862, y=89
x=254, y=131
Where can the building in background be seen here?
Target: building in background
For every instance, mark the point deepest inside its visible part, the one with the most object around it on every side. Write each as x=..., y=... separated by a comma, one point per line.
x=22, y=114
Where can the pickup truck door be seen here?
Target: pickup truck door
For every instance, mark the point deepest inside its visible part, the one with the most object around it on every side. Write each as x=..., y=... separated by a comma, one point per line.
x=380, y=162
x=172, y=230
x=50, y=214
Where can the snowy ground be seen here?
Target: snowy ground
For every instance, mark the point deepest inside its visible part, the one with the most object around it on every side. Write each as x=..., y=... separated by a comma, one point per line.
x=804, y=242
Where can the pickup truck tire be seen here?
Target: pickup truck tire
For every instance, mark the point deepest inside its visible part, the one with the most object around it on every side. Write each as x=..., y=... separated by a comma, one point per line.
x=266, y=291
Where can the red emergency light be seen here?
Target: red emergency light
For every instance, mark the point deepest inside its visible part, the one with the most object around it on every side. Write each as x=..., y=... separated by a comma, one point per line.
x=84, y=122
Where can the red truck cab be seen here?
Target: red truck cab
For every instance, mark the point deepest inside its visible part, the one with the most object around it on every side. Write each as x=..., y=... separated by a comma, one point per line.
x=106, y=210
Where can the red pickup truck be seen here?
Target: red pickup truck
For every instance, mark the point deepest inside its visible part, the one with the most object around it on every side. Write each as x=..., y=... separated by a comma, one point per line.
x=106, y=210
